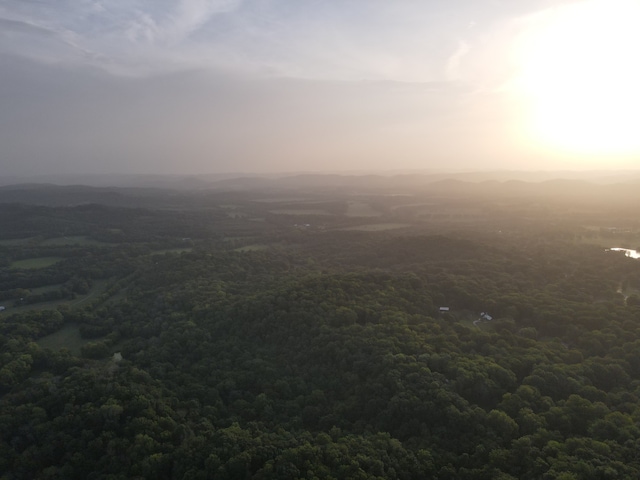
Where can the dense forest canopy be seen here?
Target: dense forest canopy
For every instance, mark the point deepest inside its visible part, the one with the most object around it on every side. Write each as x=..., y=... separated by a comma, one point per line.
x=275, y=334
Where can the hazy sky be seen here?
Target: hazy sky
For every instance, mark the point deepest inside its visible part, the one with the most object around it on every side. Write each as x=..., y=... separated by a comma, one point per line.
x=189, y=86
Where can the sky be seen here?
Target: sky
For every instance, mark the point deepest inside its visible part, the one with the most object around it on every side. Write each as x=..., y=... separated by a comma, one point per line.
x=264, y=86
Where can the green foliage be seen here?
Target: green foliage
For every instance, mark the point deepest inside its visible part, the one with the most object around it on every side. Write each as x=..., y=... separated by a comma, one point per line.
x=321, y=356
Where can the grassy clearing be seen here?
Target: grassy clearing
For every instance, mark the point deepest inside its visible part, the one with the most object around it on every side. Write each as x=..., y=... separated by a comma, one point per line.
x=118, y=297
x=35, y=263
x=99, y=286
x=67, y=337
x=235, y=238
x=172, y=250
x=46, y=289
x=610, y=240
x=300, y=211
x=282, y=200
x=34, y=291
x=36, y=306
x=251, y=248
x=12, y=242
x=411, y=207
x=627, y=292
x=376, y=227
x=73, y=240
x=361, y=209
x=466, y=318
x=237, y=214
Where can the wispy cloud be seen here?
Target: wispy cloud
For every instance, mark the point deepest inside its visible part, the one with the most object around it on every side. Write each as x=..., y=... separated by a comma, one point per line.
x=115, y=35
x=15, y=32
x=169, y=27
x=356, y=40
x=455, y=60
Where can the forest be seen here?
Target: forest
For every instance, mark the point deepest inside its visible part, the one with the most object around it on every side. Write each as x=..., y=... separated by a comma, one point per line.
x=458, y=331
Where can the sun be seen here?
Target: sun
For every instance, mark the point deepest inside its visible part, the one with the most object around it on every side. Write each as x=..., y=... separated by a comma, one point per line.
x=579, y=76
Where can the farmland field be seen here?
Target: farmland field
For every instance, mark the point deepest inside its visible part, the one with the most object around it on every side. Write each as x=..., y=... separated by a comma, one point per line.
x=282, y=200
x=301, y=211
x=376, y=227
x=35, y=263
x=171, y=250
x=99, y=286
x=46, y=289
x=251, y=248
x=72, y=240
x=11, y=242
x=361, y=209
x=237, y=214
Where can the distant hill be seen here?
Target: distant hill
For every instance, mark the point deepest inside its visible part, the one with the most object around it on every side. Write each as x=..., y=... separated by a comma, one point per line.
x=179, y=192
x=296, y=180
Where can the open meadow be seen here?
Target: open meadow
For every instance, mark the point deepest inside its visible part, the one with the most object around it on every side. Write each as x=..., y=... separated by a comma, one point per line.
x=35, y=263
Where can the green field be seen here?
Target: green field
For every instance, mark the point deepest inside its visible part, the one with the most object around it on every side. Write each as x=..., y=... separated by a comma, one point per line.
x=99, y=286
x=12, y=242
x=45, y=289
x=172, y=250
x=35, y=263
x=361, y=209
x=39, y=305
x=35, y=306
x=67, y=337
x=283, y=200
x=251, y=248
x=376, y=227
x=97, y=289
x=300, y=211
x=73, y=240
x=118, y=297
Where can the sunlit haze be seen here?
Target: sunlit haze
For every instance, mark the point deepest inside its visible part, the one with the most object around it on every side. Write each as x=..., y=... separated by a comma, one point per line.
x=580, y=75
x=196, y=86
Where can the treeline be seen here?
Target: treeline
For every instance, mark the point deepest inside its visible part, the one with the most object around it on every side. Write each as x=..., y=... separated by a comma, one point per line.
x=107, y=224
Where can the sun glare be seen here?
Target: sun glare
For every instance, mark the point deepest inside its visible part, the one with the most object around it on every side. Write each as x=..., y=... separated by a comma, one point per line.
x=579, y=72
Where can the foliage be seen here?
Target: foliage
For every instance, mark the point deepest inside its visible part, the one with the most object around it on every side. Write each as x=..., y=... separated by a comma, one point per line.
x=323, y=355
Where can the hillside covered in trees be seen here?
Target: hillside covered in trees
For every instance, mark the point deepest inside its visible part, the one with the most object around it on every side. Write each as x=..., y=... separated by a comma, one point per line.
x=273, y=335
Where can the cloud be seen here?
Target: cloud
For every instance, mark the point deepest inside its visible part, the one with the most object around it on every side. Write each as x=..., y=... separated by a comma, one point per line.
x=372, y=39
x=175, y=24
x=123, y=37
x=23, y=28
x=455, y=60
x=20, y=26
x=346, y=41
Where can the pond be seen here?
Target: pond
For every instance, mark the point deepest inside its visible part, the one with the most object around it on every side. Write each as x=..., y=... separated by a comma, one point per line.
x=627, y=251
